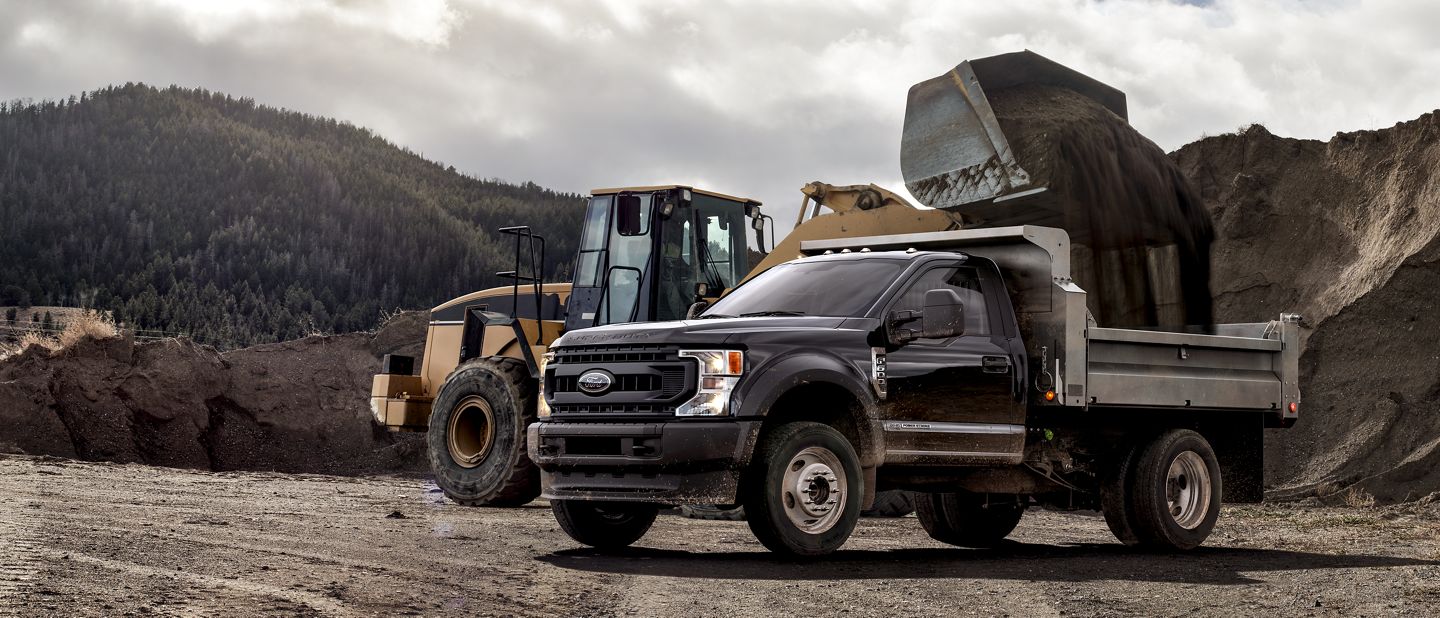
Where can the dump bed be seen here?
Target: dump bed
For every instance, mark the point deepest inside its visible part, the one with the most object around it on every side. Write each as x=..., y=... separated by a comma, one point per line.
x=1253, y=366
x=1244, y=367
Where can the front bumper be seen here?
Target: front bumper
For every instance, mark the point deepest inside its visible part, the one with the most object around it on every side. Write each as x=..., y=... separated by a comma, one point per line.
x=681, y=462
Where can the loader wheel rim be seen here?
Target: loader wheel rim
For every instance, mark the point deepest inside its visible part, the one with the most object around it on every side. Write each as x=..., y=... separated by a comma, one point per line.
x=1187, y=490
x=814, y=490
x=472, y=431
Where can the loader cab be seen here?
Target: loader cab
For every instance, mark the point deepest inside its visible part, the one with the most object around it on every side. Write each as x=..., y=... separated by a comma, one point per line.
x=647, y=253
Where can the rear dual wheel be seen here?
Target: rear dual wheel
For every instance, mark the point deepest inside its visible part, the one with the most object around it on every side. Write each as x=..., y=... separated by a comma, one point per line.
x=1164, y=494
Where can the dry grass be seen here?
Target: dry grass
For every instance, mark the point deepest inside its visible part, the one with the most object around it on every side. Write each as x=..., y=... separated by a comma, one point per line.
x=1358, y=498
x=86, y=325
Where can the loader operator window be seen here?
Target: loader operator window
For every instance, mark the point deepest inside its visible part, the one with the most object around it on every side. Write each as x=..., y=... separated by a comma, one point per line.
x=964, y=281
x=838, y=288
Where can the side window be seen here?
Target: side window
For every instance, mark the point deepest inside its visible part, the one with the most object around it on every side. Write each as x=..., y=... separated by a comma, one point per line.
x=964, y=281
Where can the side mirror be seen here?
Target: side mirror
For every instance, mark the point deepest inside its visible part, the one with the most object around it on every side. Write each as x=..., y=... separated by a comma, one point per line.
x=942, y=317
x=696, y=309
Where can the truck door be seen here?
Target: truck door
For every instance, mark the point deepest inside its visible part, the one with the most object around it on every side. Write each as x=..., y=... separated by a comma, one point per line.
x=952, y=401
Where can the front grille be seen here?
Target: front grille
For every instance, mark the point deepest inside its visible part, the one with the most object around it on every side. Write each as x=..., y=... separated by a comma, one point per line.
x=648, y=381
x=599, y=354
x=645, y=383
x=612, y=408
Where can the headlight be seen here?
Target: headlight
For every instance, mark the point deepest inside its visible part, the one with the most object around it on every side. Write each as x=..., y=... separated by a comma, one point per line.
x=542, y=408
x=719, y=372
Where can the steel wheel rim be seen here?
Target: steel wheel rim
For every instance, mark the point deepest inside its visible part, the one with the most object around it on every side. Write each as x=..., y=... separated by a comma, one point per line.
x=814, y=490
x=1187, y=490
x=472, y=431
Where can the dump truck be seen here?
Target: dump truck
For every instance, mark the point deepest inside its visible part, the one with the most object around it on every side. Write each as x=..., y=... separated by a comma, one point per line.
x=477, y=382
x=962, y=365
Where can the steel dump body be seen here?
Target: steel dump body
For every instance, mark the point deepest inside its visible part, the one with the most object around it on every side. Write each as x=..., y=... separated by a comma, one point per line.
x=1234, y=367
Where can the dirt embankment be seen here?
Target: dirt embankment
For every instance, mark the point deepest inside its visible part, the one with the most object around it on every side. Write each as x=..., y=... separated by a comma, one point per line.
x=1346, y=232
x=297, y=406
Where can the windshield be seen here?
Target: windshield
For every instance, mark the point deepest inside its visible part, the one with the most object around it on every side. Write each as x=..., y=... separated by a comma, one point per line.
x=705, y=243
x=838, y=288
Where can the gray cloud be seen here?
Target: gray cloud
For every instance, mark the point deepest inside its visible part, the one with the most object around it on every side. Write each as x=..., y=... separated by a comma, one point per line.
x=747, y=97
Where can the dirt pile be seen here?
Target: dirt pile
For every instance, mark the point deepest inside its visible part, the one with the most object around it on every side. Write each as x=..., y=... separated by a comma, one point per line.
x=1142, y=234
x=1346, y=232
x=296, y=406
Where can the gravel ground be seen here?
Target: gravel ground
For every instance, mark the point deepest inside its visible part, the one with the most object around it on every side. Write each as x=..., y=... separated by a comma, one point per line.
x=128, y=540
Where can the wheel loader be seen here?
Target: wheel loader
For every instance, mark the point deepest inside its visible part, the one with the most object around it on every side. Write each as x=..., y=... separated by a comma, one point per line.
x=660, y=253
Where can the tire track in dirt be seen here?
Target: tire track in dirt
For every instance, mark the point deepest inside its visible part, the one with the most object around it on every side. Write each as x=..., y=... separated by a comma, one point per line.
x=20, y=546
x=316, y=602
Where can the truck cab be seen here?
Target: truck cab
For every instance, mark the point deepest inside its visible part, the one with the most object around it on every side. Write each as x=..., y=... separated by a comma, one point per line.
x=960, y=365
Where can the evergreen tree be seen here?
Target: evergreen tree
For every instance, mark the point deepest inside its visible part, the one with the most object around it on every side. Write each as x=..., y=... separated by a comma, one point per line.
x=10, y=316
x=48, y=322
x=195, y=212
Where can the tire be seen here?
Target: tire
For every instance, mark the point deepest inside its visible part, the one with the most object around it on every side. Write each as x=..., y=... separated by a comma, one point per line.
x=966, y=519
x=604, y=525
x=891, y=503
x=1115, y=497
x=816, y=522
x=1175, y=491
x=712, y=512
x=476, y=437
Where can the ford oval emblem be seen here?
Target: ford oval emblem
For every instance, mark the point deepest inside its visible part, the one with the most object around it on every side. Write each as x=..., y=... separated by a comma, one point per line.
x=596, y=381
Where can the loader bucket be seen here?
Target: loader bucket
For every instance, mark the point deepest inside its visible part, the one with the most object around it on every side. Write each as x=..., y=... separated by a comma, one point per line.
x=953, y=152
x=1017, y=139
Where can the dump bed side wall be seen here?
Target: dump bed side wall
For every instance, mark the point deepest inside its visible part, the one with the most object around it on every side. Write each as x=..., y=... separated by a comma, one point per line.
x=1134, y=368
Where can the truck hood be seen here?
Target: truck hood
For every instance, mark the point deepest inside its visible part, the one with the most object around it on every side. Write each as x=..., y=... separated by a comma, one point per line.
x=692, y=332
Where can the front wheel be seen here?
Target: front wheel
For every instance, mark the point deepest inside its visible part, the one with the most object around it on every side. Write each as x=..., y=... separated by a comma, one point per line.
x=966, y=519
x=1175, y=489
x=802, y=492
x=604, y=525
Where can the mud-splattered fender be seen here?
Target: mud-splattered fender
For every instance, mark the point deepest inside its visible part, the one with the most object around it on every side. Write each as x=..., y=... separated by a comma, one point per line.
x=758, y=392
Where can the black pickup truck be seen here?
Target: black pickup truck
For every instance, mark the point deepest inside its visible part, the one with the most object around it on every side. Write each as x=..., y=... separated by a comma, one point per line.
x=961, y=365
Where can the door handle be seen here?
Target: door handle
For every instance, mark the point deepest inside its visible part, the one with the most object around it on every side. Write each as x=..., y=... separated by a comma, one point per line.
x=995, y=364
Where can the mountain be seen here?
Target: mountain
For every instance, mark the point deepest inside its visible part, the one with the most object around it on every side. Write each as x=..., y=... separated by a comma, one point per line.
x=200, y=213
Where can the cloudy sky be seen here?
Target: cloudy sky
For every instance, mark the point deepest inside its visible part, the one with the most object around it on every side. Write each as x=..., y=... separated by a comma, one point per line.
x=747, y=97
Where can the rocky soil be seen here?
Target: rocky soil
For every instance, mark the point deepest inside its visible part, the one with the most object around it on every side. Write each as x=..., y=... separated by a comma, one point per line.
x=96, y=539
x=1347, y=233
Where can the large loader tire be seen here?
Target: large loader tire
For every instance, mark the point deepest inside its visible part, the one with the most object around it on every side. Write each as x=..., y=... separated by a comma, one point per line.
x=477, y=434
x=966, y=519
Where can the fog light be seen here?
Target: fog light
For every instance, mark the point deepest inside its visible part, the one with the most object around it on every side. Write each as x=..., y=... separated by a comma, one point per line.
x=542, y=407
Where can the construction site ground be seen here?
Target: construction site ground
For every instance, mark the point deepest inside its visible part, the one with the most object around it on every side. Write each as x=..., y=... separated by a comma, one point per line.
x=100, y=539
